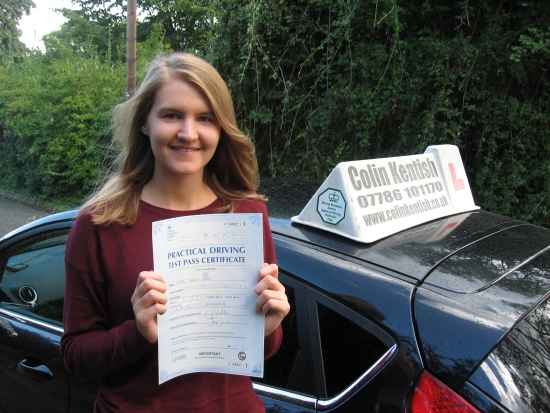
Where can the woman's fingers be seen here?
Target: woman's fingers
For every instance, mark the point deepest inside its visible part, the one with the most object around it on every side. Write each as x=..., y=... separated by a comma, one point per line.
x=269, y=269
x=148, y=280
x=268, y=288
x=272, y=300
x=149, y=300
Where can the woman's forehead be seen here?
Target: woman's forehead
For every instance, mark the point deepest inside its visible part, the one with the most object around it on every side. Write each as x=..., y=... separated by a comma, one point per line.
x=178, y=91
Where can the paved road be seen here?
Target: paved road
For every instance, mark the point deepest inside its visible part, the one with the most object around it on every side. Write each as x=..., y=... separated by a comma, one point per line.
x=14, y=214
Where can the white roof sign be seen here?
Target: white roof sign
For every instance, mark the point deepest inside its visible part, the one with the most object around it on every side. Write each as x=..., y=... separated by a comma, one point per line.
x=371, y=199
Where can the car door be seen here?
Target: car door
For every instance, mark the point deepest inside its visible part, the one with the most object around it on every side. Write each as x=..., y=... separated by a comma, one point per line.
x=31, y=306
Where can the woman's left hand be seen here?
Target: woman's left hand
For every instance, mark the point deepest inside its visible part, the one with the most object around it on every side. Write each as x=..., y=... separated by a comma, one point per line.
x=272, y=300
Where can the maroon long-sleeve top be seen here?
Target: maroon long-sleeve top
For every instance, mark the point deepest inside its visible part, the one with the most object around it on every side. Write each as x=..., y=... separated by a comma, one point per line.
x=101, y=338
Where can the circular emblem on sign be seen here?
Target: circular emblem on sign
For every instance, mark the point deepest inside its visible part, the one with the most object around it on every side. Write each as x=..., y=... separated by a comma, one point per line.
x=331, y=206
x=242, y=355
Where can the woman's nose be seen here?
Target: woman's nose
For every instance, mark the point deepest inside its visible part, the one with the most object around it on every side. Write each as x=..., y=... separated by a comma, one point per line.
x=187, y=129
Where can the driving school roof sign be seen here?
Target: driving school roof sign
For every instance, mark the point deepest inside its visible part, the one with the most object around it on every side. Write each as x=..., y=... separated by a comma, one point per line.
x=372, y=199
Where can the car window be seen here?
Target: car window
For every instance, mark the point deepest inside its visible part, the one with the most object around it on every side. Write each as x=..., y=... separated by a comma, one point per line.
x=348, y=350
x=290, y=367
x=278, y=369
x=33, y=276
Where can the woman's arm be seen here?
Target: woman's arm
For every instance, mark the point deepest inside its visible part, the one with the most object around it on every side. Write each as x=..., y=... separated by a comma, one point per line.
x=91, y=345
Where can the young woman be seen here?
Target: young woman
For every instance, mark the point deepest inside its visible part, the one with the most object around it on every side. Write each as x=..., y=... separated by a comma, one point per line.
x=182, y=154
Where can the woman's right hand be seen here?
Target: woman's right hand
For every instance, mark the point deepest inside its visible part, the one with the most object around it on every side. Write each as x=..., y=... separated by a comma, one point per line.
x=149, y=300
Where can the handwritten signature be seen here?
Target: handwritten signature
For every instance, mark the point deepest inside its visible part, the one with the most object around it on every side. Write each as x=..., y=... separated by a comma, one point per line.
x=215, y=317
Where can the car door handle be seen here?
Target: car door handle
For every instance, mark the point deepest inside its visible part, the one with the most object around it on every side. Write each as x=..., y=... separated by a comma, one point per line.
x=16, y=267
x=35, y=368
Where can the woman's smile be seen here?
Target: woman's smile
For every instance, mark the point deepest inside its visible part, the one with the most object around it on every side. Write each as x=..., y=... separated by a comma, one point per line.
x=186, y=150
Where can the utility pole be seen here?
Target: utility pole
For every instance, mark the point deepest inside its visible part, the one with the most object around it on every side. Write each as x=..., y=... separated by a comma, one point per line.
x=131, y=49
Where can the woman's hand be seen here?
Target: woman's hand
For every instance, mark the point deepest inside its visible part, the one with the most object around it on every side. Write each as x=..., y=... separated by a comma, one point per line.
x=272, y=300
x=148, y=301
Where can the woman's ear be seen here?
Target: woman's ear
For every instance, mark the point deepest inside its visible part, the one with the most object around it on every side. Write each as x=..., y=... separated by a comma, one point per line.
x=144, y=130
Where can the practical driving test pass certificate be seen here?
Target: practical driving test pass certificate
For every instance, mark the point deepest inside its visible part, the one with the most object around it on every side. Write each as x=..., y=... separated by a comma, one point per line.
x=210, y=264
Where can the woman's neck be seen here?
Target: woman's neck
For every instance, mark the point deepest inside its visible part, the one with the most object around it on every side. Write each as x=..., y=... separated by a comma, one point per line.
x=185, y=195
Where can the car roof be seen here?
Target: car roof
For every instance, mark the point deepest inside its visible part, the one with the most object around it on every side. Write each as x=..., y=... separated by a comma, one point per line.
x=47, y=220
x=413, y=252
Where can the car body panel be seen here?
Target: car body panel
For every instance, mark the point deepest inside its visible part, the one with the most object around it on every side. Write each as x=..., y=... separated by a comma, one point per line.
x=32, y=364
x=29, y=342
x=278, y=406
x=387, y=297
x=516, y=373
x=478, y=295
x=318, y=269
x=481, y=400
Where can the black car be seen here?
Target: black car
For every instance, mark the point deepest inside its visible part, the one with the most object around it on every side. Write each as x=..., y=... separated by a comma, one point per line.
x=452, y=315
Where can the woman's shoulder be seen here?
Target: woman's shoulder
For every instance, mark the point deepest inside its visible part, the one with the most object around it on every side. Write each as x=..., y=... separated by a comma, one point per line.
x=83, y=221
x=250, y=205
x=86, y=226
x=81, y=240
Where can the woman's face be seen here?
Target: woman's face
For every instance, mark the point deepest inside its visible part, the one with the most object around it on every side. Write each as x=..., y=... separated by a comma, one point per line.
x=183, y=130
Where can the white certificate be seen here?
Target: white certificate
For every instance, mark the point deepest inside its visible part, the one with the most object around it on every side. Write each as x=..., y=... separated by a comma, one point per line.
x=210, y=264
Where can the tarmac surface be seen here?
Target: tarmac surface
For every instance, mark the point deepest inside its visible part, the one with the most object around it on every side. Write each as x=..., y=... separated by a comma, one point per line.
x=14, y=214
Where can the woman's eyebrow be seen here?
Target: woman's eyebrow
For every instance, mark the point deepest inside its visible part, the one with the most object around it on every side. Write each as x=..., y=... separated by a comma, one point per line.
x=168, y=109
x=208, y=112
x=171, y=109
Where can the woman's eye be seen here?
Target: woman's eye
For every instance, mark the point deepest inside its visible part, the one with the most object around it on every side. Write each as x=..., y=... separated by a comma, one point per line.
x=205, y=119
x=171, y=116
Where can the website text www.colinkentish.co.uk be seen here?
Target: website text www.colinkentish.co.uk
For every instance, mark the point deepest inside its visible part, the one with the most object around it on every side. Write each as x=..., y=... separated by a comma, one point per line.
x=405, y=210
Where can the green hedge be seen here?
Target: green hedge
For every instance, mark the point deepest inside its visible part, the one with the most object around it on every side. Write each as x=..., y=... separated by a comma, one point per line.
x=317, y=83
x=54, y=118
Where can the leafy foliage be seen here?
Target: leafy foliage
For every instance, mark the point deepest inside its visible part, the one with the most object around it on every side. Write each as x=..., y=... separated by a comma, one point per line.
x=54, y=123
x=187, y=24
x=81, y=36
x=314, y=83
x=317, y=83
x=11, y=11
x=55, y=109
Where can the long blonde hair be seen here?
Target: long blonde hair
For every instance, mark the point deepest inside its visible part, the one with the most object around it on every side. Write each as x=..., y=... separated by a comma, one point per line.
x=232, y=173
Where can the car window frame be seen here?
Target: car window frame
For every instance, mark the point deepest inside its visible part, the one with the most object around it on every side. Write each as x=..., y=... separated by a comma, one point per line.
x=314, y=296
x=40, y=323
x=46, y=358
x=303, y=400
x=309, y=339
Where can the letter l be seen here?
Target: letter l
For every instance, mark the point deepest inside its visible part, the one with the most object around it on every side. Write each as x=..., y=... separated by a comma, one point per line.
x=457, y=183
